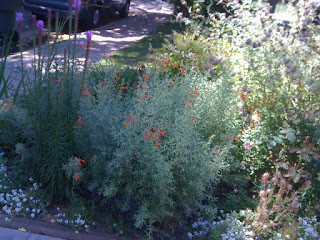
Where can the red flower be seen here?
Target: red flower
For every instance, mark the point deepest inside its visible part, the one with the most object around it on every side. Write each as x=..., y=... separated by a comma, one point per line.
x=76, y=176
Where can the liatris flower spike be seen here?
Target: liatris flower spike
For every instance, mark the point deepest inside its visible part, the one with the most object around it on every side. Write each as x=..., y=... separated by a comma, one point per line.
x=89, y=36
x=40, y=25
x=19, y=18
x=77, y=4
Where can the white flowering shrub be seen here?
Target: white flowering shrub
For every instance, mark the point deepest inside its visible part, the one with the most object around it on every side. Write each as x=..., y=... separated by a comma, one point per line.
x=74, y=221
x=15, y=202
x=227, y=228
x=309, y=228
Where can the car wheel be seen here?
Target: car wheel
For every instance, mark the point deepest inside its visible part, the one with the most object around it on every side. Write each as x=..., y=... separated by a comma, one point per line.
x=125, y=10
x=94, y=17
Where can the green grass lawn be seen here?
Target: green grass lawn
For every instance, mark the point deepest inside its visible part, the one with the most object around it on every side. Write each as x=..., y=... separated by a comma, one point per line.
x=136, y=53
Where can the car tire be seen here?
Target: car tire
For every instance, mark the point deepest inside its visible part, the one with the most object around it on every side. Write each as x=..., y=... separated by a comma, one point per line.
x=94, y=17
x=125, y=10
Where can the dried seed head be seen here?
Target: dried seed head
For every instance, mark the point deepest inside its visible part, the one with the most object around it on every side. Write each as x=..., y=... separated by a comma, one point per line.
x=278, y=174
x=274, y=180
x=262, y=193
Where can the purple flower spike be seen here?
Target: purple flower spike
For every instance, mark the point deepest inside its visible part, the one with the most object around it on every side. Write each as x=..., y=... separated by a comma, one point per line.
x=40, y=25
x=34, y=17
x=19, y=17
x=89, y=36
x=77, y=4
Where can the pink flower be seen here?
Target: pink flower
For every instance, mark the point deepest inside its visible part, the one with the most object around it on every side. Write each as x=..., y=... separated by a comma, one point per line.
x=40, y=25
x=89, y=36
x=19, y=17
x=262, y=193
x=247, y=146
x=77, y=4
x=274, y=180
x=265, y=177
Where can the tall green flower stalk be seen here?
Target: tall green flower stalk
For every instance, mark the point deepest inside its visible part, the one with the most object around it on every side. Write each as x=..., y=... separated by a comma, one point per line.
x=51, y=106
x=40, y=26
x=19, y=19
x=5, y=83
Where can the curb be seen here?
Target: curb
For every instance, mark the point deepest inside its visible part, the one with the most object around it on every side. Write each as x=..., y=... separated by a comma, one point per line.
x=59, y=231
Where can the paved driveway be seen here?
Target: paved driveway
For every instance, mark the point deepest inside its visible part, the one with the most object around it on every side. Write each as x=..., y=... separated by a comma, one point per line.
x=144, y=17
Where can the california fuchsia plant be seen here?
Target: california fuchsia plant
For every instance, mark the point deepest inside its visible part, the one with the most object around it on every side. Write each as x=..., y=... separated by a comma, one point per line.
x=146, y=154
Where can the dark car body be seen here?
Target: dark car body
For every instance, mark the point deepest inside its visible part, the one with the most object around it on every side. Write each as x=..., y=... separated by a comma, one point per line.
x=90, y=10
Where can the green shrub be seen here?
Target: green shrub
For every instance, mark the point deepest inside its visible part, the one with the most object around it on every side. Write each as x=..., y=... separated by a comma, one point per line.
x=149, y=147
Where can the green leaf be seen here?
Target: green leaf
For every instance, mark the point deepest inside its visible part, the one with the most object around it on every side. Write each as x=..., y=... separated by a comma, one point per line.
x=296, y=178
x=272, y=144
x=291, y=137
x=284, y=131
x=278, y=139
x=22, y=229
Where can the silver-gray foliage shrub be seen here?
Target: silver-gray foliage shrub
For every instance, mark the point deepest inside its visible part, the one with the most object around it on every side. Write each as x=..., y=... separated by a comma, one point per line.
x=143, y=146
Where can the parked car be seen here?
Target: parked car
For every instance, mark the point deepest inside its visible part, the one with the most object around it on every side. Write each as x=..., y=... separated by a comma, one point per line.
x=7, y=20
x=91, y=11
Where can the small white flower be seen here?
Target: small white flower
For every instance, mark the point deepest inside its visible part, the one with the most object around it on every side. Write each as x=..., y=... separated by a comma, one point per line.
x=7, y=219
x=53, y=221
x=32, y=215
x=76, y=232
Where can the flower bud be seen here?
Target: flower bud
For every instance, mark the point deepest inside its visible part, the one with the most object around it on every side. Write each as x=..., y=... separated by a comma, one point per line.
x=77, y=4
x=213, y=72
x=40, y=25
x=266, y=175
x=19, y=18
x=89, y=36
x=278, y=174
x=296, y=204
x=262, y=193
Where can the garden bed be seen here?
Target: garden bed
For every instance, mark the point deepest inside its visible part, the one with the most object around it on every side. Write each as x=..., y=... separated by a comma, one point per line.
x=215, y=135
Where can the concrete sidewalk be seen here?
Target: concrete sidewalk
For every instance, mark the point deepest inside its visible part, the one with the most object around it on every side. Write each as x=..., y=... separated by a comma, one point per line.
x=43, y=230
x=11, y=234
